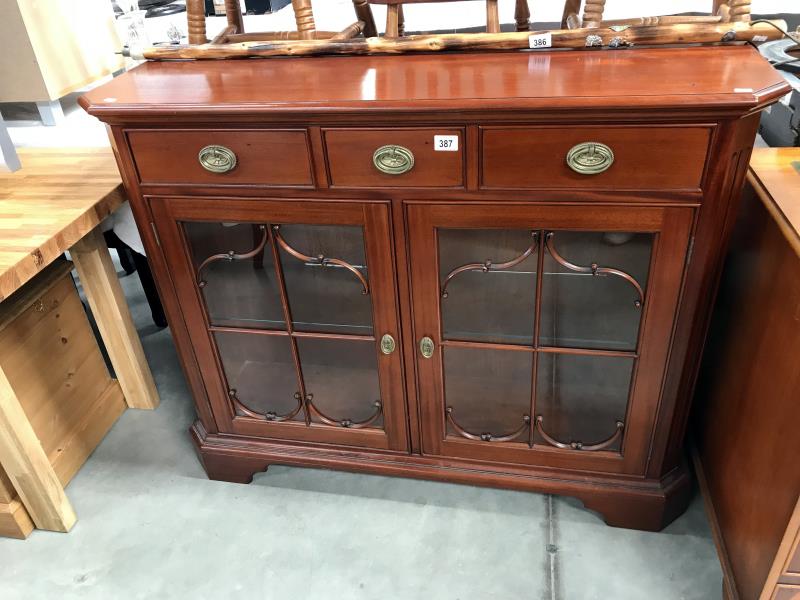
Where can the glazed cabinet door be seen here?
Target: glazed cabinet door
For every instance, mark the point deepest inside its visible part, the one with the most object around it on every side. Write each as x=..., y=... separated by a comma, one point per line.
x=291, y=308
x=542, y=332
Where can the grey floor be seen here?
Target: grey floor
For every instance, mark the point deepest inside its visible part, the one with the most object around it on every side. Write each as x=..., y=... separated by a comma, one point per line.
x=151, y=525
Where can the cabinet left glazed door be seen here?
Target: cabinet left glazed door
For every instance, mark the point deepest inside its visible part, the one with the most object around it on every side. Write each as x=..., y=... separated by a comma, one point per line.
x=291, y=308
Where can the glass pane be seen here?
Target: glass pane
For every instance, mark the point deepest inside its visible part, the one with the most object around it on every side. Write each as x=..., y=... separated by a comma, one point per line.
x=238, y=293
x=261, y=370
x=495, y=305
x=326, y=297
x=582, y=310
x=489, y=391
x=581, y=398
x=342, y=377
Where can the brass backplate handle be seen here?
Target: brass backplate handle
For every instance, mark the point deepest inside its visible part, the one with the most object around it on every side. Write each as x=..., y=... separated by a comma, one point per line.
x=217, y=159
x=590, y=158
x=393, y=159
x=426, y=347
x=388, y=344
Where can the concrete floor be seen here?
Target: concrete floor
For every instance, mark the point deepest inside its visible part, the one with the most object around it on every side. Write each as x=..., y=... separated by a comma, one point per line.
x=151, y=525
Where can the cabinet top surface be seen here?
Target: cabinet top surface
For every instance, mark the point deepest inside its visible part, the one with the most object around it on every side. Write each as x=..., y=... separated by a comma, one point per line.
x=777, y=170
x=735, y=79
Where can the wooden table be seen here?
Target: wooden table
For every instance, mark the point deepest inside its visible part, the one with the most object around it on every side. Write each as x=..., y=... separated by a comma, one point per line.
x=52, y=205
x=748, y=400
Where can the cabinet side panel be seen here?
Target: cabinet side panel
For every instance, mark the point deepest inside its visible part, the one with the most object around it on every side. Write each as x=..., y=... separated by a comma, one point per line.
x=747, y=409
x=163, y=280
x=731, y=149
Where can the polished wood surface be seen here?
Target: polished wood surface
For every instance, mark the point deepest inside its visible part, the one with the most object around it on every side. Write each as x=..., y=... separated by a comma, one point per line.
x=776, y=173
x=53, y=201
x=676, y=80
x=659, y=158
x=265, y=157
x=747, y=410
x=349, y=155
x=198, y=235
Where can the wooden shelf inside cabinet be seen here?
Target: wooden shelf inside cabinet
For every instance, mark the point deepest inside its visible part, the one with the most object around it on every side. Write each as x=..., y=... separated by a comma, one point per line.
x=374, y=268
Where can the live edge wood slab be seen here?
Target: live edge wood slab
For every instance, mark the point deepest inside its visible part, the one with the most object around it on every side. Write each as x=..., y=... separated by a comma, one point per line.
x=308, y=136
x=57, y=398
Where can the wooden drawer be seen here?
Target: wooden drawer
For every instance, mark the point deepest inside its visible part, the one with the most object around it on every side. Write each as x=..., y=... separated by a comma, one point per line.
x=652, y=158
x=268, y=157
x=350, y=158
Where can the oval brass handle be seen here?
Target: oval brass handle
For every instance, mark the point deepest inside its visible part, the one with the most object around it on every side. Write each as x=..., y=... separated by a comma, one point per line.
x=217, y=159
x=393, y=160
x=426, y=347
x=590, y=158
x=388, y=344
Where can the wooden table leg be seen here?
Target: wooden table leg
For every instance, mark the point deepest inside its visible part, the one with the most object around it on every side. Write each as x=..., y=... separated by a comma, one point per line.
x=102, y=288
x=28, y=467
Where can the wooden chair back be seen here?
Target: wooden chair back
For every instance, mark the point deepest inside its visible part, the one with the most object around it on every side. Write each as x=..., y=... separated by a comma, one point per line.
x=723, y=11
x=395, y=22
x=303, y=14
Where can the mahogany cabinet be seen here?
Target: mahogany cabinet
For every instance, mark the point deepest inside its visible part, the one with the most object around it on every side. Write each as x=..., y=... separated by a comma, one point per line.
x=484, y=268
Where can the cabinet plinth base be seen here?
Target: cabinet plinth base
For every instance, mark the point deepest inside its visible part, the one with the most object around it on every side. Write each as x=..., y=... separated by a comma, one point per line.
x=648, y=505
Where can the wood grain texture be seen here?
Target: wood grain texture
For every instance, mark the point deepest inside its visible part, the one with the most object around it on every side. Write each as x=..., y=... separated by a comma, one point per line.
x=107, y=301
x=775, y=174
x=264, y=157
x=695, y=32
x=677, y=80
x=49, y=353
x=53, y=201
x=644, y=157
x=350, y=151
x=15, y=522
x=28, y=466
x=749, y=388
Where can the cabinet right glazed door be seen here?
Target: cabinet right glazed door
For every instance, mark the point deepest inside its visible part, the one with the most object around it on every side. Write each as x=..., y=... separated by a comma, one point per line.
x=542, y=331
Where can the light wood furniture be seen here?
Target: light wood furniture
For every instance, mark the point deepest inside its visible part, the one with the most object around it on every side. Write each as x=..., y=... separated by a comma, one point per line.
x=57, y=399
x=304, y=17
x=483, y=268
x=748, y=400
x=54, y=47
x=395, y=21
x=722, y=11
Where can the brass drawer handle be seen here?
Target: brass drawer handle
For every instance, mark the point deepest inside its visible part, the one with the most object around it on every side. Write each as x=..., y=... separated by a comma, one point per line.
x=393, y=160
x=217, y=159
x=426, y=347
x=388, y=344
x=590, y=158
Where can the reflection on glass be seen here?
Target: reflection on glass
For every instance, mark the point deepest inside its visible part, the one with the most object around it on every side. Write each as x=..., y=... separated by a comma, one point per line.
x=489, y=391
x=325, y=296
x=581, y=398
x=240, y=292
x=597, y=311
x=342, y=378
x=261, y=371
x=488, y=280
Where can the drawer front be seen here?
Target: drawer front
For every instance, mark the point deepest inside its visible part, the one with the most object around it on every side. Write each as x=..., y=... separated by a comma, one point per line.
x=651, y=158
x=352, y=158
x=277, y=157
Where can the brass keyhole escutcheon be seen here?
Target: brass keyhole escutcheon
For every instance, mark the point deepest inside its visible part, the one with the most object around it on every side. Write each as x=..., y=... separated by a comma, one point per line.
x=426, y=347
x=217, y=159
x=590, y=158
x=388, y=344
x=393, y=160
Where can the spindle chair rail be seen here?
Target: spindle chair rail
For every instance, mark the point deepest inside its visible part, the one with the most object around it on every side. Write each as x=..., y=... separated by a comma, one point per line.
x=728, y=21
